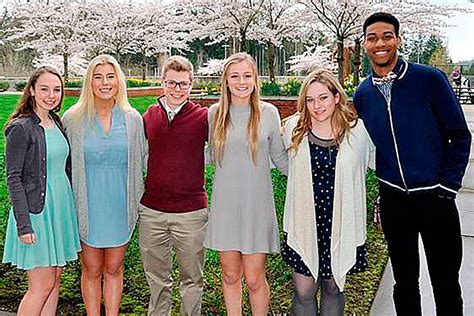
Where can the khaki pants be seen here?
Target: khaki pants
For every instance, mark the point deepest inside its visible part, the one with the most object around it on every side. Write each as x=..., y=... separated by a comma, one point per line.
x=158, y=233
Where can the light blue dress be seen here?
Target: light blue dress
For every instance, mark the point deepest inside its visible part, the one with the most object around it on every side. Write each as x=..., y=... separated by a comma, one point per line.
x=57, y=237
x=106, y=164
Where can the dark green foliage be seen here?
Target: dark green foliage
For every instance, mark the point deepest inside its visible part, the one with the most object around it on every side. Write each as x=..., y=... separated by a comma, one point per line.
x=421, y=48
x=73, y=84
x=4, y=85
x=270, y=88
x=20, y=85
x=360, y=288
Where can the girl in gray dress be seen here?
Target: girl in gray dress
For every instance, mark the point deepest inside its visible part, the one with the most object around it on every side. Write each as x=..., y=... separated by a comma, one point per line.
x=244, y=133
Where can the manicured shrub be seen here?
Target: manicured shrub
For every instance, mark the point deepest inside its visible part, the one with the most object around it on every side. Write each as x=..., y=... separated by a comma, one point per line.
x=73, y=84
x=20, y=85
x=270, y=88
x=4, y=85
x=134, y=83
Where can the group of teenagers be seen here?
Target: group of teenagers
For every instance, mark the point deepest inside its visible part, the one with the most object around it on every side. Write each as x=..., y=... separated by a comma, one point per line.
x=77, y=183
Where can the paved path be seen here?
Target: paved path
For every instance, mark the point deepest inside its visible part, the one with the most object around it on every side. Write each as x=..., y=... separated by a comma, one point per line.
x=383, y=303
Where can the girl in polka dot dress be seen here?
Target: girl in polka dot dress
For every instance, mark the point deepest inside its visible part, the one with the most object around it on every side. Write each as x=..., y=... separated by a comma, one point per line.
x=329, y=152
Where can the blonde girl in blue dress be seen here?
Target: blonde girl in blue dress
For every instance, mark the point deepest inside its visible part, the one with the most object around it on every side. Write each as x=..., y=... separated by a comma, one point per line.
x=42, y=231
x=108, y=150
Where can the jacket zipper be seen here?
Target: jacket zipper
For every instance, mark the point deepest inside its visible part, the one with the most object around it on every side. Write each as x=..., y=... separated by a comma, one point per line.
x=395, y=142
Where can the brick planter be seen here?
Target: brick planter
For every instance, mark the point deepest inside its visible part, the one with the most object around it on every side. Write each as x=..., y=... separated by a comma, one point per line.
x=285, y=105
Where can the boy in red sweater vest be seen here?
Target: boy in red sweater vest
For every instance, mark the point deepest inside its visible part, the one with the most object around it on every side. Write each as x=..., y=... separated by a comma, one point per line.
x=173, y=209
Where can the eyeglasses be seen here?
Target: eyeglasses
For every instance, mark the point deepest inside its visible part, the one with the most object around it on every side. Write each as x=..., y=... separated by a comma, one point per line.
x=182, y=85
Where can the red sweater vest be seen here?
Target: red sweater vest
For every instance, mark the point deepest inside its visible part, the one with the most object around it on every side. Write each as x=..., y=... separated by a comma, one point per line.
x=175, y=176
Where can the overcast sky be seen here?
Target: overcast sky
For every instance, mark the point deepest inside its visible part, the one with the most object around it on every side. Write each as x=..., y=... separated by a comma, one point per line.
x=460, y=37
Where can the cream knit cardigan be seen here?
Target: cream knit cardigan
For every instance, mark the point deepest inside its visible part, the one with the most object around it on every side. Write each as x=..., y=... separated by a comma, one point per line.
x=137, y=159
x=356, y=153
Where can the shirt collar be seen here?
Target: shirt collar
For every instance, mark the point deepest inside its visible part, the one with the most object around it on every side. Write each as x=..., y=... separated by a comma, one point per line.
x=397, y=70
x=175, y=111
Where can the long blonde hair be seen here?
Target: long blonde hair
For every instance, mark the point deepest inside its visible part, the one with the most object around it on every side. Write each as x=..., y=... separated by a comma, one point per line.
x=85, y=104
x=221, y=120
x=342, y=119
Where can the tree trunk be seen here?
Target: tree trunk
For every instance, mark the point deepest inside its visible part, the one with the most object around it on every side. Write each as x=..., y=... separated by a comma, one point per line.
x=243, y=44
x=340, y=59
x=143, y=66
x=65, y=64
x=199, y=57
x=357, y=61
x=271, y=60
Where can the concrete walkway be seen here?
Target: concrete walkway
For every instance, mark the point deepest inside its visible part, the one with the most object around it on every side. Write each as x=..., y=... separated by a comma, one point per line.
x=383, y=303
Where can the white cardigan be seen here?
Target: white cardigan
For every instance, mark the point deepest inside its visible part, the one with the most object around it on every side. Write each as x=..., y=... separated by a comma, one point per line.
x=356, y=153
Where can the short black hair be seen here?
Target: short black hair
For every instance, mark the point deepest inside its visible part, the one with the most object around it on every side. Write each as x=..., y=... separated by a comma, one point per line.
x=382, y=17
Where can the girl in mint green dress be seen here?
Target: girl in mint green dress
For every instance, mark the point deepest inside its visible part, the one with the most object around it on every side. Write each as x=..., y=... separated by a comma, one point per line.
x=42, y=231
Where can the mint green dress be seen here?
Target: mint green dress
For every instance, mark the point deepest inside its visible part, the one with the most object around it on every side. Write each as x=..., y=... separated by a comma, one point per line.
x=57, y=237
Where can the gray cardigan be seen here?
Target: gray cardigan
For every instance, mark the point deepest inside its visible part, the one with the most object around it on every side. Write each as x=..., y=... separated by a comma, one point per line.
x=25, y=160
x=137, y=152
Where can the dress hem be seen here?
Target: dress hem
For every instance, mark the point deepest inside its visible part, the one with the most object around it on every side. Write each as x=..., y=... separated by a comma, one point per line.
x=60, y=265
x=244, y=252
x=101, y=247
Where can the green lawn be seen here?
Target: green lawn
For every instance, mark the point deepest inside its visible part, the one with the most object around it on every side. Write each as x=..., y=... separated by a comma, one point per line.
x=360, y=289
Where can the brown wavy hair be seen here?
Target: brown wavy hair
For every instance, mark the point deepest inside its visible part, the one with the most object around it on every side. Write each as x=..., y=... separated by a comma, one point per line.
x=344, y=116
x=27, y=104
x=221, y=120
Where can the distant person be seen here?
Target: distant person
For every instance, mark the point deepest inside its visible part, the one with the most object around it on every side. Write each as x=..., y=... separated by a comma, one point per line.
x=173, y=211
x=456, y=75
x=325, y=210
x=108, y=152
x=423, y=142
x=42, y=233
x=244, y=135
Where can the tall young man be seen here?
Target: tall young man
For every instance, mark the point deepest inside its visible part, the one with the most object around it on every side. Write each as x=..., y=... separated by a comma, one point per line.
x=423, y=141
x=173, y=212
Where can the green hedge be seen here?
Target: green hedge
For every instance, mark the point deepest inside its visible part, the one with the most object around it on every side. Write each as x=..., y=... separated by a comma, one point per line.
x=4, y=85
x=20, y=85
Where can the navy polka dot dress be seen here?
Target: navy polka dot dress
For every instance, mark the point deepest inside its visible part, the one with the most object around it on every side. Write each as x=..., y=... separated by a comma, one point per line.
x=323, y=165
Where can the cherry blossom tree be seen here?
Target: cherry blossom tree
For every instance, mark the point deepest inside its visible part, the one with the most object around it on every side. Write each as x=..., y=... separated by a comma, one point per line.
x=51, y=28
x=115, y=26
x=340, y=19
x=222, y=20
x=279, y=20
x=158, y=30
x=315, y=57
x=212, y=67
